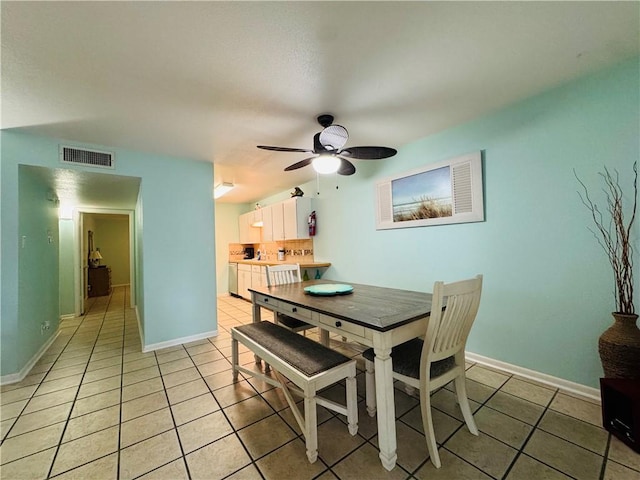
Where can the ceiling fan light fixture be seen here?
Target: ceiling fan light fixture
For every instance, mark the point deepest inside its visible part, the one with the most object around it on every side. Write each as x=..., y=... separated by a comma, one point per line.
x=326, y=164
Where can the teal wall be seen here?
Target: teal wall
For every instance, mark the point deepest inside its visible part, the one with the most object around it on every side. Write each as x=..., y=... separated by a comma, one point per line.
x=38, y=300
x=548, y=286
x=175, y=264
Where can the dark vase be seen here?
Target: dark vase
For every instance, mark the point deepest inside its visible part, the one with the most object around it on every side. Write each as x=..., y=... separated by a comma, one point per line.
x=619, y=347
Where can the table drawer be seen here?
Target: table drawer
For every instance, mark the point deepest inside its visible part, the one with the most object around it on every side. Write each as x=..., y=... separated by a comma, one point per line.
x=340, y=325
x=294, y=311
x=265, y=301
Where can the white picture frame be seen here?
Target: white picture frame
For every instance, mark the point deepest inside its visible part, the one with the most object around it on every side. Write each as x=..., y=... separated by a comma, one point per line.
x=440, y=193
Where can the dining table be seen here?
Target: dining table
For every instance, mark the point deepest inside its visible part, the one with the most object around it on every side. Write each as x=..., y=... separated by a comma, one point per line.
x=373, y=316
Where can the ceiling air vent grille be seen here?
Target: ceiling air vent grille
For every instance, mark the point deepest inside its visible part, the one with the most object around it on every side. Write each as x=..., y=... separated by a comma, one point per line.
x=88, y=158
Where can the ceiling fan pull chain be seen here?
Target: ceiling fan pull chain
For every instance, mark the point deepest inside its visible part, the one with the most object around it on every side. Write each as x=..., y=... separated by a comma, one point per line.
x=318, y=183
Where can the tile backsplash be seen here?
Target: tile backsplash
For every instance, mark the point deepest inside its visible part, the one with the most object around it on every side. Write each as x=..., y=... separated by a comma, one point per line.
x=295, y=251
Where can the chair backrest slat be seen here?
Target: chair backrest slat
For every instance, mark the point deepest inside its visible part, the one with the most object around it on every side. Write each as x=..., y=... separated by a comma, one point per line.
x=454, y=309
x=283, y=274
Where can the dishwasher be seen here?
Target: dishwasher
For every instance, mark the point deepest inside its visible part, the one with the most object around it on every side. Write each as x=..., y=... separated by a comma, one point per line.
x=233, y=279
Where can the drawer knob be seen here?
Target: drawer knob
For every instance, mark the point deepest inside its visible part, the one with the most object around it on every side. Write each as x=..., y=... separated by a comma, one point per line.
x=266, y=300
x=338, y=324
x=294, y=309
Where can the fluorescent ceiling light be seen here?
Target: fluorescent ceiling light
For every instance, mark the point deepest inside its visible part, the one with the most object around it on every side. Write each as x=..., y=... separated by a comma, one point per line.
x=326, y=164
x=221, y=189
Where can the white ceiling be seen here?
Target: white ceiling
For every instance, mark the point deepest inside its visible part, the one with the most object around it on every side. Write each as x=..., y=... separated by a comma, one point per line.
x=211, y=80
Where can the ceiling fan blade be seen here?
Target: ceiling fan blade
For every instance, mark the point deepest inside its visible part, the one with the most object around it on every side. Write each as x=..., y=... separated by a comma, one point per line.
x=300, y=164
x=369, y=153
x=284, y=149
x=346, y=167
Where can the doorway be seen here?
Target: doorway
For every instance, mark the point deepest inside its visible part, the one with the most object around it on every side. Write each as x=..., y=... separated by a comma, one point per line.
x=106, y=254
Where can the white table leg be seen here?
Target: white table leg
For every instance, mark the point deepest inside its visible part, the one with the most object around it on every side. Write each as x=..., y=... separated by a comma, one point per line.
x=386, y=407
x=257, y=316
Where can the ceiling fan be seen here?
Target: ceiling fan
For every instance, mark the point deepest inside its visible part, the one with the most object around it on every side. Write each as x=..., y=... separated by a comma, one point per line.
x=329, y=154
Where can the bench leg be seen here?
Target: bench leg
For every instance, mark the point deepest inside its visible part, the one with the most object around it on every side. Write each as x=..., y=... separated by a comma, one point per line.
x=234, y=358
x=311, y=426
x=370, y=385
x=352, y=405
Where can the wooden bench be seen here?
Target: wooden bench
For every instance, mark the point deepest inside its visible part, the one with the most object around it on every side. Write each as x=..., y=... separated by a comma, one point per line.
x=308, y=365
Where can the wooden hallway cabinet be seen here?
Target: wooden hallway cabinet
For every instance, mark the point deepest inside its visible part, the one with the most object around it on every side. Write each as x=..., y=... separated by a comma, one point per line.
x=99, y=281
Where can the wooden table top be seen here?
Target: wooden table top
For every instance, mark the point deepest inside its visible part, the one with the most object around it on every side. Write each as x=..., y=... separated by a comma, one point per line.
x=377, y=308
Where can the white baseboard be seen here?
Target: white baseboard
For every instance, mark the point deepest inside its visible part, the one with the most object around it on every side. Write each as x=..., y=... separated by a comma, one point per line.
x=179, y=341
x=575, y=389
x=18, y=377
x=68, y=316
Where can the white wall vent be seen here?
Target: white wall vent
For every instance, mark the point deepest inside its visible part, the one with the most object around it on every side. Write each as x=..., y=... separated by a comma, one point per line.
x=88, y=158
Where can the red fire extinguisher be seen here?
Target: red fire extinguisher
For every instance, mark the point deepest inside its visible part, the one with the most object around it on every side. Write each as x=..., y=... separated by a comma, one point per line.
x=312, y=223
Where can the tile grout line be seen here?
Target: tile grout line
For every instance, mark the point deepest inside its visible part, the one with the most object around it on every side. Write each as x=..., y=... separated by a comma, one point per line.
x=173, y=419
x=606, y=459
x=75, y=398
x=521, y=452
x=234, y=431
x=124, y=336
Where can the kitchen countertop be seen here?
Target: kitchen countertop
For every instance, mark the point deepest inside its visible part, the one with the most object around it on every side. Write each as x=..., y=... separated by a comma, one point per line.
x=264, y=263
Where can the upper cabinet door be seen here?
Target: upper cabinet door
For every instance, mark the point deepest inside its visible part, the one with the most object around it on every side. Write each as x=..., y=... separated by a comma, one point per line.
x=296, y=210
x=248, y=233
x=267, y=224
x=277, y=221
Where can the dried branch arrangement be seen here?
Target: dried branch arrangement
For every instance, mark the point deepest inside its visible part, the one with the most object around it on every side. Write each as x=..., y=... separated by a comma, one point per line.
x=614, y=235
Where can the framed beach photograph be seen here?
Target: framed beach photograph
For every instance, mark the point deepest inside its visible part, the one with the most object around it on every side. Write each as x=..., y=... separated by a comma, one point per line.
x=438, y=194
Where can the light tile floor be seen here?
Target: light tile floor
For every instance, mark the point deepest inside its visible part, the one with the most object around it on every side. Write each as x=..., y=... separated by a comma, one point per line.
x=96, y=407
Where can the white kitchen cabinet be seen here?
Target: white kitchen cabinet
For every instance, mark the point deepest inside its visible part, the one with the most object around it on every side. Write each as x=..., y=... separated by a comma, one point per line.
x=296, y=211
x=267, y=223
x=280, y=221
x=258, y=276
x=244, y=280
x=277, y=222
x=250, y=276
x=249, y=233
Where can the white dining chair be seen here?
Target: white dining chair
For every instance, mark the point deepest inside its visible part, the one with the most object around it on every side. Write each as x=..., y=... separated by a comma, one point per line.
x=431, y=363
x=281, y=275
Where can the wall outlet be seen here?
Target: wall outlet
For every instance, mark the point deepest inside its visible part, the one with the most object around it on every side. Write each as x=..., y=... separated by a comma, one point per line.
x=44, y=326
